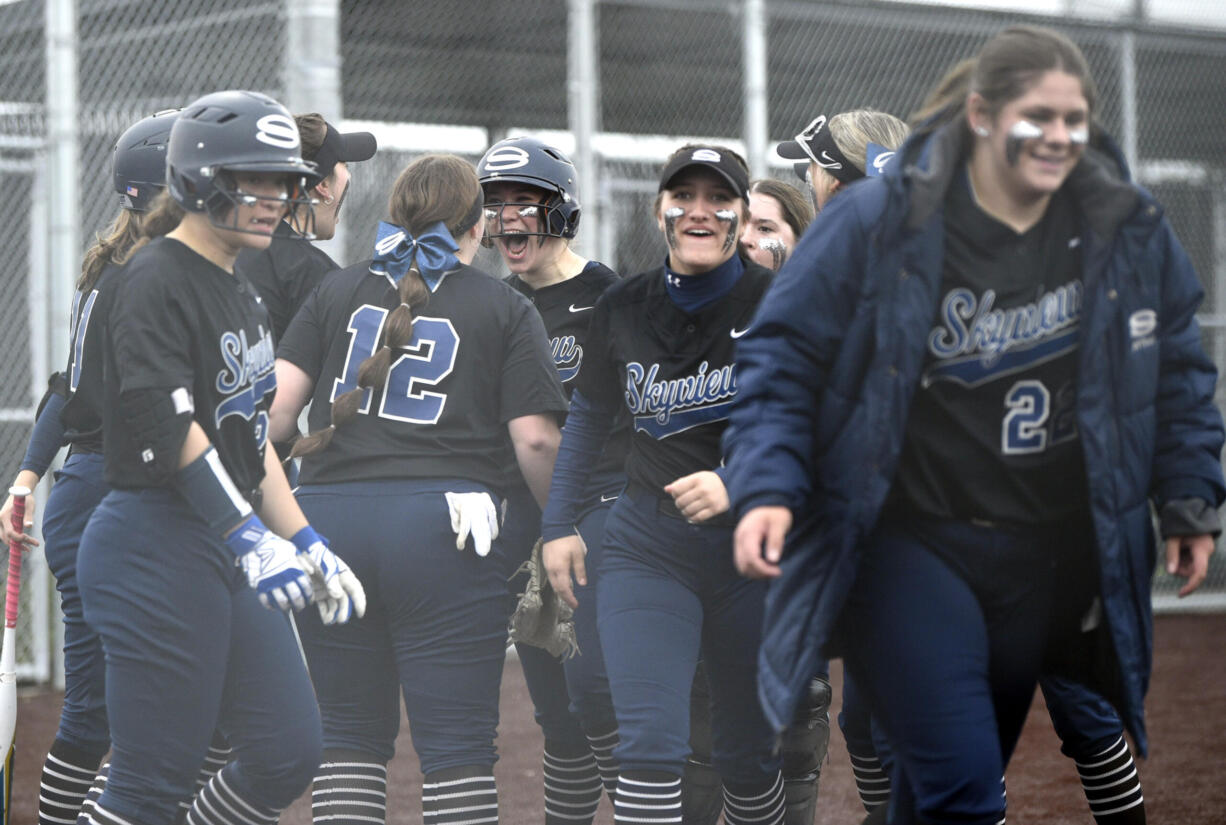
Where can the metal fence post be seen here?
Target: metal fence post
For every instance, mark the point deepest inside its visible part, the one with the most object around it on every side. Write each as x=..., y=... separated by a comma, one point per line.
x=583, y=101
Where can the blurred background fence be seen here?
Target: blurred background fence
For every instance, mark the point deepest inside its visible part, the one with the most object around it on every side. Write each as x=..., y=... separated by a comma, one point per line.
x=617, y=83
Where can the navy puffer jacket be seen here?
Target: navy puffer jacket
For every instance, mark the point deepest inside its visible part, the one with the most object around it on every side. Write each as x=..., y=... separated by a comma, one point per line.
x=827, y=371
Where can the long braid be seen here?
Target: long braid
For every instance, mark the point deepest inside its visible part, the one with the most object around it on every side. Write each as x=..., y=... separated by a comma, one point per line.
x=372, y=374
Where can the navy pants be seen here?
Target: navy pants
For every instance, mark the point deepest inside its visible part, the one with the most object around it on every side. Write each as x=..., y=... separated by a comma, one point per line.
x=189, y=649
x=79, y=487
x=668, y=590
x=570, y=698
x=434, y=630
x=947, y=627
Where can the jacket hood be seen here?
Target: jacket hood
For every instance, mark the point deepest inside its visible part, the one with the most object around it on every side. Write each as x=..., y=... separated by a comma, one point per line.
x=1099, y=182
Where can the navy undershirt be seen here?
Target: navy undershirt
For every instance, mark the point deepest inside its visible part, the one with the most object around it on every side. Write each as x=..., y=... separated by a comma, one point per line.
x=693, y=292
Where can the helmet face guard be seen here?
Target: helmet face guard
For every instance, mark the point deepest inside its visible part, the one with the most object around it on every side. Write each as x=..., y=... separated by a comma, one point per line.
x=550, y=214
x=222, y=206
x=225, y=134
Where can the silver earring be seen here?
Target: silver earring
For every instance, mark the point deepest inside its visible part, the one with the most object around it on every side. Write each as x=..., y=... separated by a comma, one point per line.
x=982, y=131
x=328, y=201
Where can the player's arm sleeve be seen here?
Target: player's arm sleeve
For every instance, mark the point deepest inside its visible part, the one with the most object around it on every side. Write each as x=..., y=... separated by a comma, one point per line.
x=529, y=383
x=587, y=428
x=1188, y=426
x=784, y=359
x=48, y=434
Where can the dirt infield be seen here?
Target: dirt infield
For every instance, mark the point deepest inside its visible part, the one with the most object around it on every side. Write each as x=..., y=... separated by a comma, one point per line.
x=1182, y=779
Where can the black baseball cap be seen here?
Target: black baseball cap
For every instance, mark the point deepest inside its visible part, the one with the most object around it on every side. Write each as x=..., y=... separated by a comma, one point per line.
x=719, y=159
x=350, y=147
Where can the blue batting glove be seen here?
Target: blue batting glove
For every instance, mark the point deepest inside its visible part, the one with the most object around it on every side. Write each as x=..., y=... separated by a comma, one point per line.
x=271, y=564
x=342, y=594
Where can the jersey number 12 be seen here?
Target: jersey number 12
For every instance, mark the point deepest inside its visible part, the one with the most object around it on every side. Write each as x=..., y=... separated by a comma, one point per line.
x=423, y=362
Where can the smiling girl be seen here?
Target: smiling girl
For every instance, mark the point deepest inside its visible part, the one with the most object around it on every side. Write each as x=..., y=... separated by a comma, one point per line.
x=961, y=509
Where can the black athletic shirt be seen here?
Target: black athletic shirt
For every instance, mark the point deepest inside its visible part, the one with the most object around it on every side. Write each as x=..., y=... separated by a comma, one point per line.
x=179, y=320
x=566, y=308
x=478, y=359
x=992, y=433
x=674, y=371
x=82, y=412
x=284, y=274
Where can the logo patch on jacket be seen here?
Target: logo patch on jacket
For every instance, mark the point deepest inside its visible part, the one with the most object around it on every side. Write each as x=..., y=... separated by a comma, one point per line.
x=1142, y=325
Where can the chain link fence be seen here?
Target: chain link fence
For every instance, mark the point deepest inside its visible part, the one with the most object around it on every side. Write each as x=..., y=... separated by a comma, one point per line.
x=429, y=76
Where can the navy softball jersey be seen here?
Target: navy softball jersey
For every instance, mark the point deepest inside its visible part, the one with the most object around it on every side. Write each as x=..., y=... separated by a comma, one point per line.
x=82, y=412
x=992, y=433
x=458, y=424
x=566, y=308
x=674, y=371
x=181, y=321
x=284, y=274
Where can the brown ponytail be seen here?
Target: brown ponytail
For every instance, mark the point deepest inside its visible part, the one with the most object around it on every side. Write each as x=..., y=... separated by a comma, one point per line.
x=109, y=248
x=163, y=216
x=431, y=189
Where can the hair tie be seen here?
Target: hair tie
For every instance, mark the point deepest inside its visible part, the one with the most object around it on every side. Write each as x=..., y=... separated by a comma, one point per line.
x=397, y=251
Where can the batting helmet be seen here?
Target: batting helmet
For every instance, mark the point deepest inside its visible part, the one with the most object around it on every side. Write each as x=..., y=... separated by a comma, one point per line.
x=529, y=161
x=228, y=132
x=138, y=163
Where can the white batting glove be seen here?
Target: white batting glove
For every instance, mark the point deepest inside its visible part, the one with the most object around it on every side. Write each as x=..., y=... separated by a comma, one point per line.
x=340, y=594
x=473, y=514
x=272, y=566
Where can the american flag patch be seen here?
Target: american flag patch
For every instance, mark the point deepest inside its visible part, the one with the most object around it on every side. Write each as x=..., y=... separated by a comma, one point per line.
x=133, y=191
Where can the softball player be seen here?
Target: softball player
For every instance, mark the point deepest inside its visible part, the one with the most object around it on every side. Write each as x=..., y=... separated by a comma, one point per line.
x=1006, y=369
x=423, y=365
x=71, y=413
x=174, y=564
x=532, y=212
x=661, y=345
x=778, y=216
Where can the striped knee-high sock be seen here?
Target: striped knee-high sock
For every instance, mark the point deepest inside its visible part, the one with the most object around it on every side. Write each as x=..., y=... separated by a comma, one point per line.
x=220, y=804
x=349, y=790
x=460, y=796
x=872, y=783
x=759, y=804
x=214, y=760
x=602, y=748
x=101, y=816
x=647, y=797
x=95, y=791
x=572, y=787
x=68, y=773
x=1112, y=786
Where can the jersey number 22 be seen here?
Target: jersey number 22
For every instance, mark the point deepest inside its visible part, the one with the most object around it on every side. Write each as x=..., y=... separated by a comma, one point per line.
x=424, y=362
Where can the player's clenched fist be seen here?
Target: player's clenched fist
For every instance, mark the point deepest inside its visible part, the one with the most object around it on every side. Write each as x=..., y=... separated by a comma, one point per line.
x=271, y=564
x=338, y=593
x=758, y=541
x=561, y=558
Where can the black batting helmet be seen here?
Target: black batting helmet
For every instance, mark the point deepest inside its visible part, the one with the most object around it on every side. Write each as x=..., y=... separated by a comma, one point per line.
x=532, y=162
x=138, y=161
x=228, y=132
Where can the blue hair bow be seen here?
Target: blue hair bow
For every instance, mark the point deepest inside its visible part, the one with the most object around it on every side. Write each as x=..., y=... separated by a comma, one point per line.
x=396, y=250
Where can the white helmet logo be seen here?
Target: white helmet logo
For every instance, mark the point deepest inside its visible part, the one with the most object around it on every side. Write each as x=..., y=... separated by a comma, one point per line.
x=506, y=158
x=707, y=155
x=277, y=130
